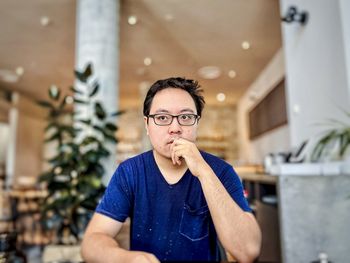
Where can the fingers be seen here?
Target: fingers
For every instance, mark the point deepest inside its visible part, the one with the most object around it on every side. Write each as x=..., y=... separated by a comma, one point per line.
x=179, y=153
x=144, y=257
x=176, y=159
x=173, y=157
x=180, y=149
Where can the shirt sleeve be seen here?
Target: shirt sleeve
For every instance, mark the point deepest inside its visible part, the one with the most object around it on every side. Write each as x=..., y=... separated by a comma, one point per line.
x=234, y=187
x=116, y=201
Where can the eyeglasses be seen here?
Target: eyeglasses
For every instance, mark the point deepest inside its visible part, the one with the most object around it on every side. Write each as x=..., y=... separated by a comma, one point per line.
x=167, y=119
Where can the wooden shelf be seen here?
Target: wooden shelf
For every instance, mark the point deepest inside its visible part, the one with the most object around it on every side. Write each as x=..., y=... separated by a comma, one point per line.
x=259, y=178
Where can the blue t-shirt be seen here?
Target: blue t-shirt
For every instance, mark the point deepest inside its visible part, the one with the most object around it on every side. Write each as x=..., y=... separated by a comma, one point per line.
x=172, y=221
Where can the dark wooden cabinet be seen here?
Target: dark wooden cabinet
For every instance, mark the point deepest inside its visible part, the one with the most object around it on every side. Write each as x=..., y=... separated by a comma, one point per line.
x=262, y=197
x=269, y=113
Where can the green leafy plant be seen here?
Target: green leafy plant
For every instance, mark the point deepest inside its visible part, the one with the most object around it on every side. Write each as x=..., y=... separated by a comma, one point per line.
x=336, y=138
x=74, y=179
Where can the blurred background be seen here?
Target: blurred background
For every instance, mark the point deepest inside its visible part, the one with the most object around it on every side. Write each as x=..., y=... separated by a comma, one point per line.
x=276, y=79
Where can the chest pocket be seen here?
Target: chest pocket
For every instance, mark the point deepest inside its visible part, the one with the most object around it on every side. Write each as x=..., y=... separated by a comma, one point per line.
x=194, y=223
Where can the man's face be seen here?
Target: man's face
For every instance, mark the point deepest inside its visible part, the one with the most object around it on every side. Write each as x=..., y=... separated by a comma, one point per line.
x=170, y=101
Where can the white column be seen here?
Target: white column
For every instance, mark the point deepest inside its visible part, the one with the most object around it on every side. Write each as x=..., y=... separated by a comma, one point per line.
x=98, y=42
x=12, y=145
x=316, y=74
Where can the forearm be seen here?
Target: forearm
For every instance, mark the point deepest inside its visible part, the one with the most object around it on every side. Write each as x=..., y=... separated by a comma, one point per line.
x=237, y=230
x=98, y=247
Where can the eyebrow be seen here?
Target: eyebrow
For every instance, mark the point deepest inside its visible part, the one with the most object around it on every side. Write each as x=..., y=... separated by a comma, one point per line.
x=166, y=111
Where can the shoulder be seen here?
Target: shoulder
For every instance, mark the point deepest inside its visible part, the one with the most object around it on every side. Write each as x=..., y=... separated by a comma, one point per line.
x=137, y=161
x=131, y=169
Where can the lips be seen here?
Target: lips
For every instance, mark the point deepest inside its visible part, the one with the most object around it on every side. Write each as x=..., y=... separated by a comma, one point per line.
x=172, y=140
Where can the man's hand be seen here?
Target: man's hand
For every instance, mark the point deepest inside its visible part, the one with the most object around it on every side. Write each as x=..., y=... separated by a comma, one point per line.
x=99, y=244
x=143, y=257
x=182, y=149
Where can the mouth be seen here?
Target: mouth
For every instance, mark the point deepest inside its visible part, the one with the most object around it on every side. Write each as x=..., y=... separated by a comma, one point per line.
x=172, y=140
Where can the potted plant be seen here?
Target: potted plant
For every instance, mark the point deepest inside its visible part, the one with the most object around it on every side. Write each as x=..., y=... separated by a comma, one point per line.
x=74, y=177
x=335, y=141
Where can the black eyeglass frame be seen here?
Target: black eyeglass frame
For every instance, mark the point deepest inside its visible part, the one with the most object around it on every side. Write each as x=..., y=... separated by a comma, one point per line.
x=197, y=117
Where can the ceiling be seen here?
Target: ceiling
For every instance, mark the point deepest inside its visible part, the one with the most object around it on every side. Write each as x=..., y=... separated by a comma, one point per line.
x=180, y=36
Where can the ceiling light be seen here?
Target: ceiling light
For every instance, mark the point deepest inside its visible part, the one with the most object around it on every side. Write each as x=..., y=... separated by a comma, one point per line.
x=44, y=20
x=147, y=61
x=19, y=71
x=232, y=74
x=209, y=72
x=245, y=45
x=221, y=97
x=169, y=17
x=132, y=20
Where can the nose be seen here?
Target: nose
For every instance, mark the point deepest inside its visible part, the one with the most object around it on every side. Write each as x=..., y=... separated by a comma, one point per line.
x=175, y=127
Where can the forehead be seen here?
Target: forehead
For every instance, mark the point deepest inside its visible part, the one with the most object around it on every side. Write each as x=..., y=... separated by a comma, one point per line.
x=173, y=100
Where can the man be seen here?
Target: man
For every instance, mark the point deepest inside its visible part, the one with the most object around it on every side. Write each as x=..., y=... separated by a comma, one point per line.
x=181, y=201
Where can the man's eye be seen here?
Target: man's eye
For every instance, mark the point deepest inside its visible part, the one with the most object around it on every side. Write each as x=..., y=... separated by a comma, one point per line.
x=162, y=117
x=186, y=117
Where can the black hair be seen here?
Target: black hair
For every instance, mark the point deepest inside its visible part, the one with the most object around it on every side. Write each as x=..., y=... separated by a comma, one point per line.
x=189, y=85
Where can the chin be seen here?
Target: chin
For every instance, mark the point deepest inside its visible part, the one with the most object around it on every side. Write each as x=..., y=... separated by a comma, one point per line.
x=163, y=152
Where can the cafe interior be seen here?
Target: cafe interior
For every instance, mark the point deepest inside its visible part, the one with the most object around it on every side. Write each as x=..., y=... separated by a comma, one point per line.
x=276, y=81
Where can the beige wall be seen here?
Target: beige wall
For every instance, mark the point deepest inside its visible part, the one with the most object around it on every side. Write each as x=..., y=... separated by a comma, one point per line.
x=217, y=131
x=253, y=151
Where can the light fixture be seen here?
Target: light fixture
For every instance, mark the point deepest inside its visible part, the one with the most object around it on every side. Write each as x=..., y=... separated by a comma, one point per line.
x=209, y=72
x=19, y=71
x=169, y=17
x=45, y=20
x=147, y=61
x=221, y=97
x=245, y=45
x=232, y=74
x=296, y=108
x=294, y=16
x=132, y=20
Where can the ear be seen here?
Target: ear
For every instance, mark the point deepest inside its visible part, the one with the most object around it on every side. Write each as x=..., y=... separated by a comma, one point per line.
x=146, y=124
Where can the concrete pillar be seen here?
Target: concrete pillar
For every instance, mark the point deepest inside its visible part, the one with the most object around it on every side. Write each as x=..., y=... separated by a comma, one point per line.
x=97, y=42
x=344, y=7
x=12, y=142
